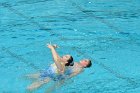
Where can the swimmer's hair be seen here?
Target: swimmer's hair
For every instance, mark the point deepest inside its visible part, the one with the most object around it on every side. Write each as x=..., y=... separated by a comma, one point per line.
x=89, y=65
x=70, y=62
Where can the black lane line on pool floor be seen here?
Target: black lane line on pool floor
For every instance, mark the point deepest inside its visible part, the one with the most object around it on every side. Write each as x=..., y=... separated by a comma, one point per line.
x=78, y=51
x=9, y=7
x=6, y=5
x=111, y=27
x=20, y=58
x=90, y=14
x=108, y=24
x=116, y=74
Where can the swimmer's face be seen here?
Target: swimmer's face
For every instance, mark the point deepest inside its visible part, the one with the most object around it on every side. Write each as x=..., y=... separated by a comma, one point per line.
x=66, y=57
x=85, y=62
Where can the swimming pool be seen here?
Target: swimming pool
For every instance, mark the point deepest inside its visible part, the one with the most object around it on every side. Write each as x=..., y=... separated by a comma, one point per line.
x=105, y=31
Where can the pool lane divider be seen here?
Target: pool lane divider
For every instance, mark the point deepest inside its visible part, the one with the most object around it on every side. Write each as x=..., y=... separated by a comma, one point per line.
x=63, y=39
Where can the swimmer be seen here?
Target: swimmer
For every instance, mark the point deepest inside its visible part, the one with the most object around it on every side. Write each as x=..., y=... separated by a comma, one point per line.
x=71, y=71
x=63, y=68
x=78, y=67
x=54, y=72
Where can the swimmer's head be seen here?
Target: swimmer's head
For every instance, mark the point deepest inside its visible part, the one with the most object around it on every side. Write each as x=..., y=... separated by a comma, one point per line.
x=68, y=59
x=86, y=63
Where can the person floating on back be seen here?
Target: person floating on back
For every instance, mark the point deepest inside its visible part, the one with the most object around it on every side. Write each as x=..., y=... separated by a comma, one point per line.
x=62, y=68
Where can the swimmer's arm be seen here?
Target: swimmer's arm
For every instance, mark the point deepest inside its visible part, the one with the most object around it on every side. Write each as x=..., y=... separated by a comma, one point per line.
x=57, y=59
x=75, y=73
x=55, y=55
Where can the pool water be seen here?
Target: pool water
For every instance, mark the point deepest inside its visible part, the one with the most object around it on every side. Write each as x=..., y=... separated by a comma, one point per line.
x=106, y=31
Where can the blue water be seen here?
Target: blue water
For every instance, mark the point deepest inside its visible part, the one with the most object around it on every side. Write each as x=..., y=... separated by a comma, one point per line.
x=106, y=31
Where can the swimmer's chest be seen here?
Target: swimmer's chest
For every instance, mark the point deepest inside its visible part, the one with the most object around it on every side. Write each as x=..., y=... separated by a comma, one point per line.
x=76, y=68
x=55, y=69
x=67, y=69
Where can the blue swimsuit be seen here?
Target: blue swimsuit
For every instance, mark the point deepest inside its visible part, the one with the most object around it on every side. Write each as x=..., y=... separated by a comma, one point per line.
x=52, y=72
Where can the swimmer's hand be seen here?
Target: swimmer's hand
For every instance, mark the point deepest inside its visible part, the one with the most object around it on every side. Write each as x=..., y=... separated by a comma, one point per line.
x=52, y=46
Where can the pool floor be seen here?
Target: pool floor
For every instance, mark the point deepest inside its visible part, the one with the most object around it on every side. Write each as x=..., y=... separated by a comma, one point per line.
x=106, y=31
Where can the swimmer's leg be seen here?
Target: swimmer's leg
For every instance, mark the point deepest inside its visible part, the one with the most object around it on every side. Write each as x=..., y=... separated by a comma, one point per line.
x=38, y=84
x=35, y=76
x=53, y=87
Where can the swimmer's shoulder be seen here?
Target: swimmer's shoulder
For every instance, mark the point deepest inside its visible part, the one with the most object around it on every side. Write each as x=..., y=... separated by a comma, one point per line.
x=76, y=67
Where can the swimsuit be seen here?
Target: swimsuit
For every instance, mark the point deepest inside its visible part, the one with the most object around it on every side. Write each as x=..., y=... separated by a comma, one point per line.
x=52, y=72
